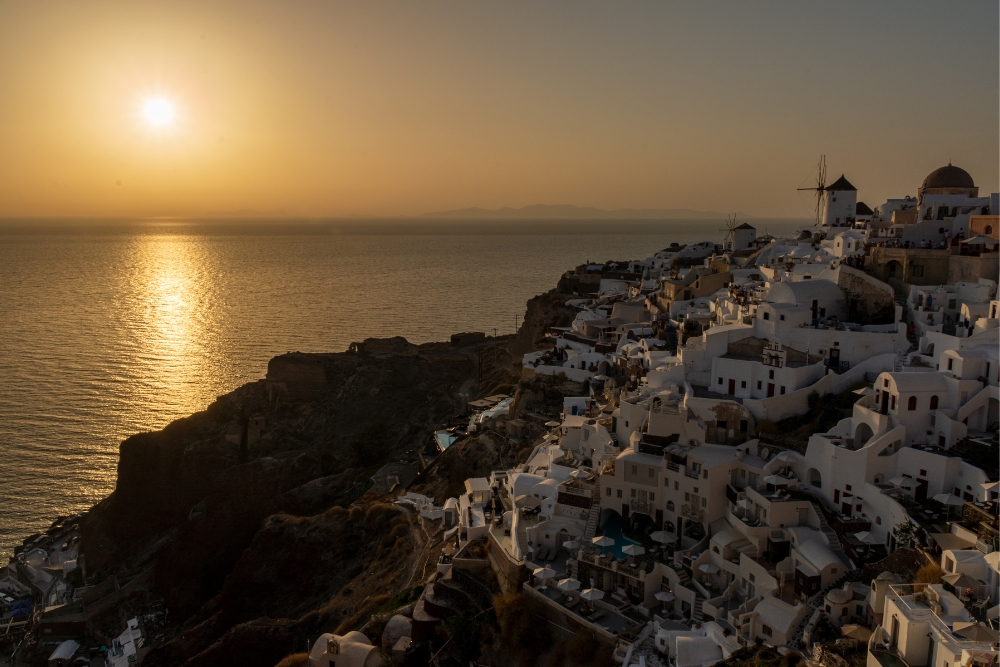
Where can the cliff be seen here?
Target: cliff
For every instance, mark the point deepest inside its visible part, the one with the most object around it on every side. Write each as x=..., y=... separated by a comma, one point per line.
x=239, y=508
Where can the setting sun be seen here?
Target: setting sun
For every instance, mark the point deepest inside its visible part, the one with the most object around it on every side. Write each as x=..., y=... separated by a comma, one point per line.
x=158, y=111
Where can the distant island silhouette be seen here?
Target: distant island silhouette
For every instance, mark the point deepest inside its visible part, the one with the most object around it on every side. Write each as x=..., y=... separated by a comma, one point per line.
x=569, y=211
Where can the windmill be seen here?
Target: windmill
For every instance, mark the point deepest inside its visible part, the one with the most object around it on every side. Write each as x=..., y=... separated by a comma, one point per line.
x=820, y=188
x=730, y=230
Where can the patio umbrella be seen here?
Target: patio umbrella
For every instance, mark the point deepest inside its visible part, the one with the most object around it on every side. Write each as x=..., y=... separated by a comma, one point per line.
x=553, y=424
x=777, y=480
x=867, y=537
x=660, y=536
x=592, y=594
x=527, y=501
x=633, y=550
x=904, y=482
x=978, y=633
x=960, y=580
x=865, y=391
x=856, y=632
x=544, y=572
x=569, y=584
x=603, y=541
x=708, y=568
x=787, y=457
x=981, y=240
x=664, y=596
x=949, y=501
x=571, y=544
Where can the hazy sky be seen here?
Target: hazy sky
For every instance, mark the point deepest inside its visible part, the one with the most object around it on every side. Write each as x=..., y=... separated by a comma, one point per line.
x=320, y=108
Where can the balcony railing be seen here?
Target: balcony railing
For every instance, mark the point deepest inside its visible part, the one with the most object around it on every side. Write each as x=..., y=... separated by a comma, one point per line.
x=639, y=506
x=693, y=473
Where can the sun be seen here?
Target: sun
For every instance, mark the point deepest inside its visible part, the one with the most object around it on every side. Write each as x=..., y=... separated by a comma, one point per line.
x=158, y=111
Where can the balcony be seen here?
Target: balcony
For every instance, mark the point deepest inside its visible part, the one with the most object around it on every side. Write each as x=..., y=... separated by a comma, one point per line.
x=639, y=506
x=693, y=473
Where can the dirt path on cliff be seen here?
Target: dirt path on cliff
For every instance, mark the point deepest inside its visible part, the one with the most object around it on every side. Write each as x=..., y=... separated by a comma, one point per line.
x=427, y=548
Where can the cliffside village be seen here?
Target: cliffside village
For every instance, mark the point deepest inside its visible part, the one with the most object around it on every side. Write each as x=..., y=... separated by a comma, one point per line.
x=661, y=512
x=665, y=511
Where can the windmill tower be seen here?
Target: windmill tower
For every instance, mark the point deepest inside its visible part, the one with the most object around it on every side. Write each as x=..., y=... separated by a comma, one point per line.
x=730, y=230
x=820, y=188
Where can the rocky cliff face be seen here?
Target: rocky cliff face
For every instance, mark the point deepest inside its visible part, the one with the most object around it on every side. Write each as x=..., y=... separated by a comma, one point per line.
x=239, y=507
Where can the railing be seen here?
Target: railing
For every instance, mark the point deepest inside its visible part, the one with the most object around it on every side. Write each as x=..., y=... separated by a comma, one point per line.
x=692, y=473
x=673, y=467
x=639, y=506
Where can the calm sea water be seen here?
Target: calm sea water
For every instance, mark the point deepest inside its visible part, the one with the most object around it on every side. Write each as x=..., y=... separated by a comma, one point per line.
x=108, y=329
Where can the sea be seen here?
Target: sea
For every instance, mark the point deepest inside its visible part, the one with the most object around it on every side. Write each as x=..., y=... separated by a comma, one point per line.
x=109, y=328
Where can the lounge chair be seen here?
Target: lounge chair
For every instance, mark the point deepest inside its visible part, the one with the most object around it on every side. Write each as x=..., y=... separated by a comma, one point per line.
x=597, y=615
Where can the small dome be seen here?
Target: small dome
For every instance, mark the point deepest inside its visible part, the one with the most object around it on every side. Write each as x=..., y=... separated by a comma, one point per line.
x=949, y=177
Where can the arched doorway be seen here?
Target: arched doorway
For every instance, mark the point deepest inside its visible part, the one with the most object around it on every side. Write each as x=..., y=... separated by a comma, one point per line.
x=862, y=434
x=814, y=478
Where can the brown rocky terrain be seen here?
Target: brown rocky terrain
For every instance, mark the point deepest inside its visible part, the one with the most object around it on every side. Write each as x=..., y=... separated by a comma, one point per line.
x=241, y=508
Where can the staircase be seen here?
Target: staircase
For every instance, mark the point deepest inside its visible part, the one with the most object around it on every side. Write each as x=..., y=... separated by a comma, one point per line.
x=595, y=513
x=811, y=608
x=684, y=579
x=831, y=536
x=900, y=360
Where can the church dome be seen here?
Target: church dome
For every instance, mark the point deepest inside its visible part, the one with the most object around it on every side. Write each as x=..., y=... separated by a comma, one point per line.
x=948, y=177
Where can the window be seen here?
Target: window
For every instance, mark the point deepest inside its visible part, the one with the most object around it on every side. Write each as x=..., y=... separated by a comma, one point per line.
x=752, y=577
x=704, y=502
x=743, y=426
x=767, y=315
x=677, y=486
x=743, y=384
x=782, y=318
x=696, y=489
x=770, y=375
x=608, y=491
x=950, y=363
x=782, y=390
x=633, y=493
x=687, y=497
x=619, y=493
x=917, y=270
x=719, y=382
x=716, y=550
x=720, y=424
x=923, y=473
x=833, y=570
x=635, y=470
x=878, y=521
x=885, y=382
x=911, y=403
x=951, y=304
x=670, y=506
x=652, y=472
x=847, y=486
x=934, y=402
x=758, y=384
x=892, y=402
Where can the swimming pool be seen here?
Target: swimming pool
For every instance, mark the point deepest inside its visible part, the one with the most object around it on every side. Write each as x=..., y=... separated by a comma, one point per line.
x=612, y=527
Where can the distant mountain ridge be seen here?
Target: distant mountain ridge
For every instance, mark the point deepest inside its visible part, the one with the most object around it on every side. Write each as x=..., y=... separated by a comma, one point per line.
x=569, y=211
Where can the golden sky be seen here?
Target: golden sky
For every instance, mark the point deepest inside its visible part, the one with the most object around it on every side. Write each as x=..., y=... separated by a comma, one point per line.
x=316, y=108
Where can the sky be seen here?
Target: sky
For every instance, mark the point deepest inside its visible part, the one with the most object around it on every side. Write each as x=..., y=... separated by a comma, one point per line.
x=323, y=109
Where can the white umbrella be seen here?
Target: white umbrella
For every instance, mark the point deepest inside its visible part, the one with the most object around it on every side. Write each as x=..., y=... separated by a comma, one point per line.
x=904, y=482
x=603, y=541
x=601, y=378
x=544, y=572
x=981, y=240
x=633, y=550
x=865, y=391
x=787, y=457
x=664, y=596
x=568, y=584
x=777, y=480
x=527, y=501
x=867, y=537
x=660, y=536
x=949, y=499
x=708, y=568
x=571, y=544
x=553, y=424
x=592, y=594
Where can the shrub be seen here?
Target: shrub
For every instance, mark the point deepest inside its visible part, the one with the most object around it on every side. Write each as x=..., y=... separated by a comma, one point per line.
x=812, y=400
x=928, y=574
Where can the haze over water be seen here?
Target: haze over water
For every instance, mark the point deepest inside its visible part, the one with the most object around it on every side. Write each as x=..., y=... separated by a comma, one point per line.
x=112, y=329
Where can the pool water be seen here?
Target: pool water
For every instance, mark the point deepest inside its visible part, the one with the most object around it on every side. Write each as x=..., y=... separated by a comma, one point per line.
x=612, y=527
